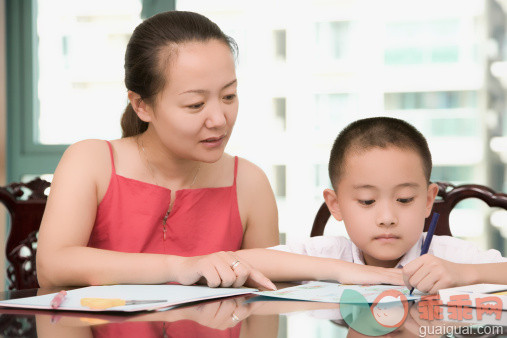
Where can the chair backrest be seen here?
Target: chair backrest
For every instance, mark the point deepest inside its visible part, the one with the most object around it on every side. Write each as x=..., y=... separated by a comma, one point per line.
x=25, y=203
x=448, y=196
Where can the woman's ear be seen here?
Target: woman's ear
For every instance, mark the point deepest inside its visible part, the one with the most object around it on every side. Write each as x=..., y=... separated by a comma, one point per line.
x=430, y=198
x=142, y=109
x=332, y=204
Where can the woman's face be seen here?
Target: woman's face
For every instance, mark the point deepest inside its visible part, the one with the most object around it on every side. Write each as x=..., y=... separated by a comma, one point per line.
x=196, y=111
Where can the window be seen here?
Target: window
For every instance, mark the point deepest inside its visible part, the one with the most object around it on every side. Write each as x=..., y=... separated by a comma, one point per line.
x=333, y=40
x=279, y=186
x=280, y=42
x=454, y=174
x=446, y=113
x=321, y=178
x=445, y=41
x=334, y=109
x=431, y=100
x=80, y=51
x=280, y=108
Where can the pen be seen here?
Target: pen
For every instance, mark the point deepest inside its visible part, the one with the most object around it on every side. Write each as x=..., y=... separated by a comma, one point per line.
x=58, y=299
x=429, y=236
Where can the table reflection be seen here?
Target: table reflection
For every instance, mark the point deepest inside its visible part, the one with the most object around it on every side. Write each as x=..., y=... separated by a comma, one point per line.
x=242, y=316
x=222, y=318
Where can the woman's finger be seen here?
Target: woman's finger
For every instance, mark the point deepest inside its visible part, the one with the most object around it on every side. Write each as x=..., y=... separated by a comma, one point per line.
x=258, y=280
x=227, y=276
x=222, y=318
x=224, y=267
x=239, y=313
x=242, y=271
x=212, y=276
x=242, y=310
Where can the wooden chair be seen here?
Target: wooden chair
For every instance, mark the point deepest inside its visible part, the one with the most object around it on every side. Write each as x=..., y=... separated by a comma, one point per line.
x=448, y=196
x=25, y=203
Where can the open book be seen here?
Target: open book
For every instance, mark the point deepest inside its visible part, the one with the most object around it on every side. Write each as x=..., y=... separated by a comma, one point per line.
x=332, y=292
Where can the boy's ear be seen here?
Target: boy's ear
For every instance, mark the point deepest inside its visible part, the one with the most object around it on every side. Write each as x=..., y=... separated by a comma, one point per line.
x=142, y=109
x=430, y=198
x=332, y=204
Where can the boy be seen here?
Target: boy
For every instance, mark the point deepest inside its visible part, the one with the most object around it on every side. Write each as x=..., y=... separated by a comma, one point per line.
x=380, y=170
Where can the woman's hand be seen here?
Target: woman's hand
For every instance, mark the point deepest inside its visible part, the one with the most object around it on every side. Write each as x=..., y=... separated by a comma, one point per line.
x=352, y=273
x=430, y=274
x=221, y=269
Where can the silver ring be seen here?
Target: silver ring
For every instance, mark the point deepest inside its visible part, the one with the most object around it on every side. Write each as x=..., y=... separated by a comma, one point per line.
x=235, y=264
x=235, y=318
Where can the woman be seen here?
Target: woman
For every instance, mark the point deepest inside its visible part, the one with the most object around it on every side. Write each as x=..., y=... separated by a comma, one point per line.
x=164, y=202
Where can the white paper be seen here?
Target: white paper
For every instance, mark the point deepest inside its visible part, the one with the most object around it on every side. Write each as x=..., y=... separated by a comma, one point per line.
x=173, y=294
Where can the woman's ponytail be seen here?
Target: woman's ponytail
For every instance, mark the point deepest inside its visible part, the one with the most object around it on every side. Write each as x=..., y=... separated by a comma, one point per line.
x=131, y=124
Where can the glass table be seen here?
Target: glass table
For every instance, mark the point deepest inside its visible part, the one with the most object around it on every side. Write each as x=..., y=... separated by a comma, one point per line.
x=242, y=316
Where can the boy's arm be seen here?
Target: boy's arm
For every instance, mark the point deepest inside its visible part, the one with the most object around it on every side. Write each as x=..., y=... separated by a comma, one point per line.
x=283, y=266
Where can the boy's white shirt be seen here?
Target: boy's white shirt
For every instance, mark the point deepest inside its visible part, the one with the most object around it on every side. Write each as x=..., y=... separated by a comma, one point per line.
x=449, y=248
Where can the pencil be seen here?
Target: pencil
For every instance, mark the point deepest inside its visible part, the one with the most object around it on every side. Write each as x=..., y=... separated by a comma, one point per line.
x=429, y=237
x=58, y=299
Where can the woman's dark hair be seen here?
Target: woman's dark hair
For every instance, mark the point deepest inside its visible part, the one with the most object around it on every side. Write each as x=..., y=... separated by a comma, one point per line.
x=151, y=45
x=377, y=132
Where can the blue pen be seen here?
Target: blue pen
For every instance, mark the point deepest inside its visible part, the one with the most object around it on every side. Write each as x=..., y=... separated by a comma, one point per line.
x=429, y=236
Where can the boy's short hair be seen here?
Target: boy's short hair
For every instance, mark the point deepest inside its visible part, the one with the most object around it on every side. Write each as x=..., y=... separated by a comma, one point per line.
x=377, y=132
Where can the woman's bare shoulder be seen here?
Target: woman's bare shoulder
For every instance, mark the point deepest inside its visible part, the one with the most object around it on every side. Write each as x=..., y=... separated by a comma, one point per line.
x=88, y=146
x=86, y=150
x=85, y=158
x=252, y=182
x=249, y=172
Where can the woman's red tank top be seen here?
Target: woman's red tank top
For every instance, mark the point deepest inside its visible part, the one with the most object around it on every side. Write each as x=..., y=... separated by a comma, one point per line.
x=130, y=218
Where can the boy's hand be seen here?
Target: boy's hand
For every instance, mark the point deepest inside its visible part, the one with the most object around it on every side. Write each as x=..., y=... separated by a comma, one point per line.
x=364, y=274
x=430, y=274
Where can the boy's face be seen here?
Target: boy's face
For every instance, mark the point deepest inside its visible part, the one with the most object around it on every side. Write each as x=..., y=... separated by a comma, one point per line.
x=383, y=199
